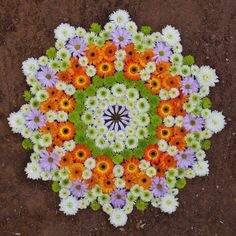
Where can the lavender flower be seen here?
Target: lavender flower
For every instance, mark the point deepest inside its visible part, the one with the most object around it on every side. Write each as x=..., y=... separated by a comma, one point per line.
x=186, y=158
x=193, y=123
x=159, y=187
x=78, y=188
x=118, y=198
x=162, y=51
x=34, y=119
x=77, y=46
x=189, y=85
x=47, y=77
x=49, y=160
x=121, y=37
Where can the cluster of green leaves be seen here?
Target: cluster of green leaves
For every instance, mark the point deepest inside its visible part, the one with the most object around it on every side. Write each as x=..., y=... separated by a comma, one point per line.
x=97, y=82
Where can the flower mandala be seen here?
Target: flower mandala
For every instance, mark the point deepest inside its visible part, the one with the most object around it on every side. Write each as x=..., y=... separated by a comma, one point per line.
x=117, y=118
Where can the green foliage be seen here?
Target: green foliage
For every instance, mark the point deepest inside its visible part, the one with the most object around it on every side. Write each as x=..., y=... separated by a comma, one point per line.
x=51, y=53
x=206, y=103
x=141, y=205
x=56, y=187
x=27, y=144
x=95, y=205
x=146, y=29
x=27, y=95
x=97, y=81
x=79, y=94
x=206, y=144
x=188, y=60
x=95, y=27
x=90, y=91
x=181, y=183
x=117, y=159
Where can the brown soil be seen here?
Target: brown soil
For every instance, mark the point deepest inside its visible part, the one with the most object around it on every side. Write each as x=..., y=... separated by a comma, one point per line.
x=207, y=205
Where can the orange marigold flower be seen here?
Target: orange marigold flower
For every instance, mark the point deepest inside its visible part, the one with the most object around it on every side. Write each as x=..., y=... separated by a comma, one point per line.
x=51, y=128
x=165, y=108
x=168, y=161
x=92, y=181
x=104, y=166
x=76, y=171
x=66, y=130
x=129, y=181
x=164, y=132
x=146, y=57
x=160, y=168
x=178, y=141
x=109, y=50
x=64, y=76
x=66, y=160
x=162, y=67
x=49, y=104
x=170, y=82
x=154, y=84
x=131, y=52
x=180, y=131
x=132, y=70
x=151, y=153
x=107, y=183
x=94, y=54
x=80, y=80
x=74, y=66
x=131, y=167
x=66, y=103
x=143, y=180
x=81, y=153
x=105, y=68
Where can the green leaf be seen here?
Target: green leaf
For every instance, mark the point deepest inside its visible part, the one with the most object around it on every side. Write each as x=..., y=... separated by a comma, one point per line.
x=95, y=27
x=146, y=29
x=188, y=60
x=51, y=53
x=181, y=183
x=27, y=144
x=56, y=187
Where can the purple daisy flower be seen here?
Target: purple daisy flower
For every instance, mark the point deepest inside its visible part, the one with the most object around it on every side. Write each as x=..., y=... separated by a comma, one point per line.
x=121, y=37
x=35, y=119
x=47, y=77
x=159, y=187
x=186, y=158
x=162, y=51
x=193, y=123
x=118, y=198
x=189, y=85
x=77, y=46
x=78, y=188
x=49, y=160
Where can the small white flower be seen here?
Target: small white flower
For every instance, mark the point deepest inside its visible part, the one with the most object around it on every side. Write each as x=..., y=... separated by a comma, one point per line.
x=120, y=18
x=60, y=85
x=119, y=183
x=64, y=193
x=131, y=26
x=173, y=93
x=90, y=163
x=170, y=35
x=172, y=150
x=150, y=67
x=45, y=140
x=69, y=205
x=215, y=121
x=119, y=65
x=69, y=145
x=179, y=121
x=201, y=168
x=206, y=76
x=169, y=121
x=120, y=55
x=16, y=121
x=83, y=61
x=70, y=89
x=110, y=26
x=163, y=145
x=51, y=116
x=87, y=174
x=144, y=75
x=64, y=32
x=62, y=116
x=151, y=171
x=164, y=94
x=169, y=204
x=91, y=71
x=80, y=32
x=33, y=170
x=190, y=174
x=118, y=170
x=118, y=217
x=177, y=48
x=30, y=67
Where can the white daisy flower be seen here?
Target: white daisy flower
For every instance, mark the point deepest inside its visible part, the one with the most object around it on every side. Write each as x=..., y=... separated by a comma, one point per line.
x=91, y=71
x=156, y=36
x=117, y=146
x=34, y=157
x=118, y=217
x=194, y=69
x=51, y=116
x=163, y=145
x=118, y=90
x=62, y=116
x=64, y=193
x=169, y=121
x=120, y=17
x=200, y=155
x=60, y=151
x=103, y=93
x=90, y=163
x=45, y=140
x=69, y=145
x=131, y=26
x=150, y=67
x=60, y=85
x=144, y=75
x=215, y=121
x=144, y=119
x=131, y=142
x=179, y=121
x=204, y=91
x=146, y=195
x=156, y=202
x=63, y=54
x=207, y=76
x=33, y=170
x=151, y=171
x=64, y=32
x=201, y=168
x=83, y=61
x=169, y=204
x=60, y=44
x=164, y=94
x=144, y=165
x=119, y=183
x=173, y=93
x=87, y=174
x=128, y=208
x=170, y=35
x=30, y=67
x=107, y=208
x=177, y=48
x=118, y=170
x=101, y=142
x=110, y=26
x=69, y=205
x=16, y=121
x=190, y=174
x=70, y=89
x=45, y=176
x=119, y=65
x=43, y=60
x=172, y=150
x=80, y=32
x=42, y=95
x=142, y=105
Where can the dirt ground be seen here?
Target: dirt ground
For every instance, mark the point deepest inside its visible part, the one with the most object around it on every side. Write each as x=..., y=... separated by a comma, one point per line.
x=207, y=205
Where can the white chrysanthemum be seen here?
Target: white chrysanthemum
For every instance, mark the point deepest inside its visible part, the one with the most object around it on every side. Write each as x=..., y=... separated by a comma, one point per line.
x=43, y=60
x=173, y=93
x=117, y=146
x=201, y=168
x=200, y=155
x=120, y=55
x=64, y=32
x=144, y=75
x=144, y=165
x=132, y=94
x=150, y=67
x=215, y=121
x=142, y=105
x=164, y=94
x=179, y=121
x=118, y=90
x=91, y=132
x=70, y=89
x=190, y=174
x=141, y=132
x=146, y=195
x=109, y=27
x=60, y=151
x=204, y=91
x=25, y=108
x=144, y=119
x=87, y=117
x=26, y=133
x=51, y=116
x=177, y=48
x=118, y=217
x=131, y=26
x=173, y=191
x=62, y=116
x=103, y=93
x=63, y=54
x=69, y=145
x=120, y=135
x=156, y=202
x=107, y=208
x=69, y=205
x=16, y=121
x=169, y=121
x=119, y=65
x=207, y=76
x=118, y=170
x=91, y=103
x=45, y=176
x=151, y=171
x=119, y=183
x=170, y=35
x=207, y=134
x=120, y=17
x=131, y=142
x=194, y=70
x=87, y=174
x=80, y=32
x=101, y=142
x=30, y=67
x=185, y=70
x=45, y=140
x=90, y=163
x=169, y=204
x=33, y=170
x=172, y=150
x=64, y=192
x=60, y=85
x=128, y=208
x=176, y=59
x=163, y=145
x=42, y=95
x=34, y=157
x=83, y=61
x=91, y=70
x=59, y=44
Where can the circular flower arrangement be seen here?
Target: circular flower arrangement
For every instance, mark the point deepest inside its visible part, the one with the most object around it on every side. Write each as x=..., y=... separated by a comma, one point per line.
x=117, y=118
